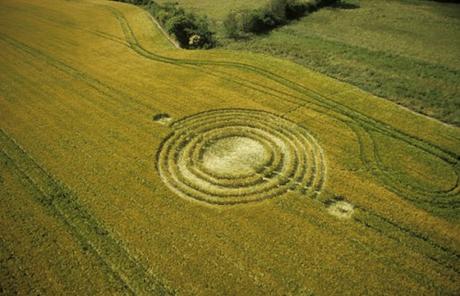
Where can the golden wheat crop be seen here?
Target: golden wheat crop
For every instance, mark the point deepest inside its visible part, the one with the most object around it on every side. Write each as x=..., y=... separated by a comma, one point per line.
x=262, y=178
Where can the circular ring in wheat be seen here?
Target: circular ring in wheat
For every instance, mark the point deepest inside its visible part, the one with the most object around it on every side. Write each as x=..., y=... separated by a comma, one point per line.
x=233, y=156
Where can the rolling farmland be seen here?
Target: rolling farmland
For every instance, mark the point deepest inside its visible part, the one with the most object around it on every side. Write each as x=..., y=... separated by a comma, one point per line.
x=404, y=51
x=129, y=166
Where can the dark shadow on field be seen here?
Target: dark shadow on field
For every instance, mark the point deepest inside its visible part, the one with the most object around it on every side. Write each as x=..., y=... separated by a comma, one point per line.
x=345, y=5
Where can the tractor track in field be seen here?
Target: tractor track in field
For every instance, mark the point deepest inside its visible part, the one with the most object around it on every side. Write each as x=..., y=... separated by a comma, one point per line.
x=129, y=274
x=351, y=116
x=94, y=83
x=304, y=91
x=105, y=90
x=436, y=252
x=370, y=158
x=453, y=191
x=342, y=113
x=352, y=120
x=103, y=105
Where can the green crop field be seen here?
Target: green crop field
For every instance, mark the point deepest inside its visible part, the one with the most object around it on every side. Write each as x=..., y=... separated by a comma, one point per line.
x=407, y=51
x=216, y=12
x=128, y=166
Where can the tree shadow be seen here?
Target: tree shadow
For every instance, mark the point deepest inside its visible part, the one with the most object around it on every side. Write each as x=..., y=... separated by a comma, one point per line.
x=345, y=5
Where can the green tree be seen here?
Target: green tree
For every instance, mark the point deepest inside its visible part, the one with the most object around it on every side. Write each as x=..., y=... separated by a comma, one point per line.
x=277, y=8
x=180, y=26
x=232, y=25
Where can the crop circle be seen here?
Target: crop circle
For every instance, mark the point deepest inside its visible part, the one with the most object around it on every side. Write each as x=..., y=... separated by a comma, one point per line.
x=341, y=209
x=233, y=156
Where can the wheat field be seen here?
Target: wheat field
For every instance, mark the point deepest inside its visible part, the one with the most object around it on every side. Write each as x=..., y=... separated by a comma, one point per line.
x=131, y=167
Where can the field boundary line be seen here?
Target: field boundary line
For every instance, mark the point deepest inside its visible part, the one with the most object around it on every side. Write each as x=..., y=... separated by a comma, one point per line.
x=324, y=101
x=368, y=124
x=172, y=41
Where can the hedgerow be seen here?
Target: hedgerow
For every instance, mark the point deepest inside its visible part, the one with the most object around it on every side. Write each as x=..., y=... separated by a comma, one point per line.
x=275, y=14
x=190, y=30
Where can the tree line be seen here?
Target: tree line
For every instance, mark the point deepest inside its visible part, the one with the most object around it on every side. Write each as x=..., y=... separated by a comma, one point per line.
x=193, y=31
x=276, y=13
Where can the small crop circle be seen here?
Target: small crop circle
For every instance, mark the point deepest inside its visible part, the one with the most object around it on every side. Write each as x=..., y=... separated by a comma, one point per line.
x=341, y=209
x=233, y=156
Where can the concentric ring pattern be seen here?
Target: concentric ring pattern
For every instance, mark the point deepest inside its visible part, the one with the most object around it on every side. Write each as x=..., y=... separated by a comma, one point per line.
x=232, y=156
